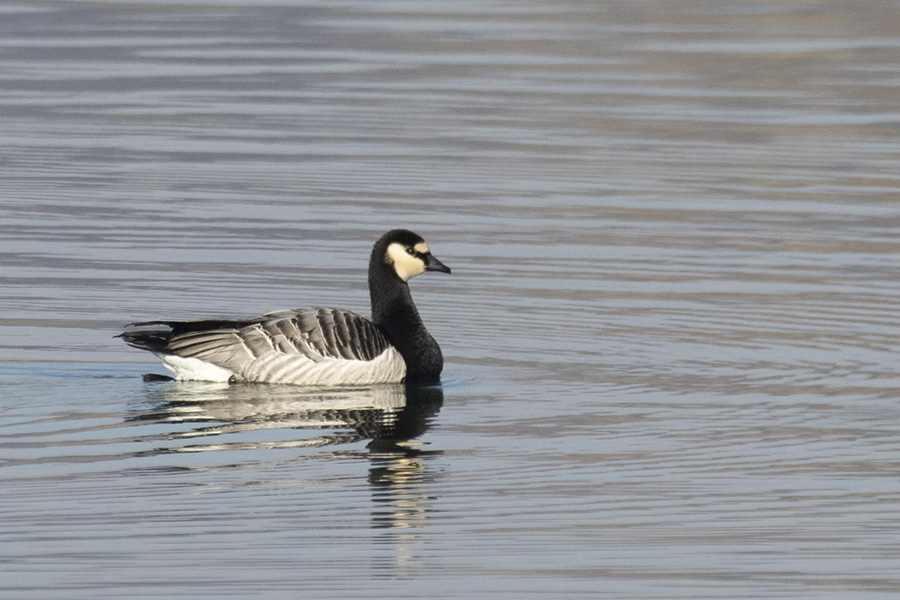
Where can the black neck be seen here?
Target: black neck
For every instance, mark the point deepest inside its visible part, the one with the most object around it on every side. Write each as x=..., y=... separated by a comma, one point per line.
x=394, y=312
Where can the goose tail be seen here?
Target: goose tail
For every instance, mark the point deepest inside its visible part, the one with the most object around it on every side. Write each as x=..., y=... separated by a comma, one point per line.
x=153, y=336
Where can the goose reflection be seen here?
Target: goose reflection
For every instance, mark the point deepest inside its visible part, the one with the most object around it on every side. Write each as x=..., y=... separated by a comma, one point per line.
x=398, y=472
x=246, y=417
x=197, y=417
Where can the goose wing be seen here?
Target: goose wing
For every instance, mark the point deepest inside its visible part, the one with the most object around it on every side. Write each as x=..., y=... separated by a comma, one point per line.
x=306, y=346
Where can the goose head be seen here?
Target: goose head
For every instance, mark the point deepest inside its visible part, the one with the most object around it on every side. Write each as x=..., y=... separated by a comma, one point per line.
x=407, y=254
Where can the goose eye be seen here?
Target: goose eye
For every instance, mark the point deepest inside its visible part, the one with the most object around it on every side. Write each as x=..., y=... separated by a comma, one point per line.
x=411, y=251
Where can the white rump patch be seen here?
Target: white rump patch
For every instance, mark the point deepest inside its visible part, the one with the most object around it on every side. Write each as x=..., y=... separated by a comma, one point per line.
x=406, y=265
x=194, y=369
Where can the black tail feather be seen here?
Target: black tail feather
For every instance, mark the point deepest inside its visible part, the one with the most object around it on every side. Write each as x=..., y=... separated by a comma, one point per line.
x=156, y=335
x=154, y=340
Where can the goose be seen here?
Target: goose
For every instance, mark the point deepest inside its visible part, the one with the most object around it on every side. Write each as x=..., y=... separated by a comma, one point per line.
x=313, y=346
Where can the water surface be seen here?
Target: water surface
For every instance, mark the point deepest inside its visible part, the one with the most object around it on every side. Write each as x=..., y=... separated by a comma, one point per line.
x=669, y=333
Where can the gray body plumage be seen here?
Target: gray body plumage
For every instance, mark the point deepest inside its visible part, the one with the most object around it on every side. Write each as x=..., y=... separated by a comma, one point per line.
x=314, y=346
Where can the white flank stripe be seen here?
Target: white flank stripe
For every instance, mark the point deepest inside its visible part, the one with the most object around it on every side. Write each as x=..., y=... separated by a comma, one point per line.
x=388, y=367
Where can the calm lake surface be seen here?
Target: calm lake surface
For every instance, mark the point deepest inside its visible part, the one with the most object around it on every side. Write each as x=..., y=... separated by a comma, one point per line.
x=671, y=333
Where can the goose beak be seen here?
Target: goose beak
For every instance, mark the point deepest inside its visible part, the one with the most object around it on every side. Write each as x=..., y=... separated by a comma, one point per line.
x=433, y=264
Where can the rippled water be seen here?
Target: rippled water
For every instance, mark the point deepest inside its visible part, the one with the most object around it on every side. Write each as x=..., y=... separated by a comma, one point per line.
x=670, y=331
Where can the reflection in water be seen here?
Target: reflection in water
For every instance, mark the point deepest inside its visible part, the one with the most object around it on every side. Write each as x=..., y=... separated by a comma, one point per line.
x=397, y=479
x=392, y=417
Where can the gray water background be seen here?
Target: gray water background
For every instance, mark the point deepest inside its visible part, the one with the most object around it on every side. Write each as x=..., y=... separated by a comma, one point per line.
x=670, y=332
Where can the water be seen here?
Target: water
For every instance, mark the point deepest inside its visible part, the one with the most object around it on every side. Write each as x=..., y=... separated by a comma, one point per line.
x=670, y=331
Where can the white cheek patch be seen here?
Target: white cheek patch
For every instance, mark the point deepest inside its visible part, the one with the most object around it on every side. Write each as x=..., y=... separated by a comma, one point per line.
x=405, y=266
